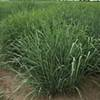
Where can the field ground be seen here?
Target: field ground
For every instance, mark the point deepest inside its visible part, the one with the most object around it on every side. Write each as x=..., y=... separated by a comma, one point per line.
x=10, y=85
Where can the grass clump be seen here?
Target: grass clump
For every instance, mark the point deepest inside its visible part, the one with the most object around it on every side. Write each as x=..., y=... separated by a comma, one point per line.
x=51, y=47
x=55, y=59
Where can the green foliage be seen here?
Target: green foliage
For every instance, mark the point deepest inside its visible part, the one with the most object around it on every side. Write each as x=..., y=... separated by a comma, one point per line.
x=4, y=9
x=55, y=60
x=55, y=46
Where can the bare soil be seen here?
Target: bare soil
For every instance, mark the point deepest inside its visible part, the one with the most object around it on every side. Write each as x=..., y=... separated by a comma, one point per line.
x=12, y=89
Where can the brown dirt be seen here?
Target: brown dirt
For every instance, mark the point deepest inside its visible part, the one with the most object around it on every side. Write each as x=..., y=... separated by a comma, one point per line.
x=9, y=82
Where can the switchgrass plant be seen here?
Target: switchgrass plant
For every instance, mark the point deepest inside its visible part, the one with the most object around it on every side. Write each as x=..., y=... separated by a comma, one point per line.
x=56, y=59
x=53, y=47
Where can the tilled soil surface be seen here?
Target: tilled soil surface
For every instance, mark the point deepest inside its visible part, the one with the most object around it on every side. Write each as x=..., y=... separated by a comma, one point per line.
x=12, y=88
